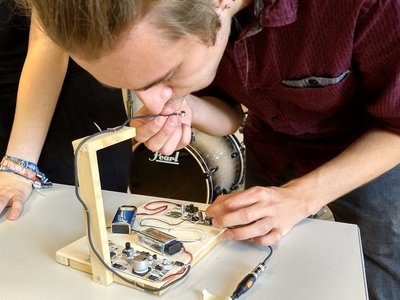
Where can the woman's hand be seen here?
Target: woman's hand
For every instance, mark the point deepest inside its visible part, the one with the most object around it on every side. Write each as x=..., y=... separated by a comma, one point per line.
x=14, y=191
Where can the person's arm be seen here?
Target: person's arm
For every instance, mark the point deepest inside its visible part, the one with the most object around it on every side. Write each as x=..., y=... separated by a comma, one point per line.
x=40, y=85
x=266, y=214
x=373, y=154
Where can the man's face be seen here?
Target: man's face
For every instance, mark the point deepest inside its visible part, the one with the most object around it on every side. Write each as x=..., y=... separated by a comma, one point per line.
x=148, y=63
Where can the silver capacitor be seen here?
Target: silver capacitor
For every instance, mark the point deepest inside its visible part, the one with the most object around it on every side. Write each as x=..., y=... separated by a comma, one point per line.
x=140, y=264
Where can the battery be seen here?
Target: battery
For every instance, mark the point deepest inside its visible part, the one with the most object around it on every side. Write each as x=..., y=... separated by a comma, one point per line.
x=124, y=219
x=159, y=241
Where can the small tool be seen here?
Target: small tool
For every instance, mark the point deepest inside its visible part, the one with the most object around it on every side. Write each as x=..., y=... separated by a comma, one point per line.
x=250, y=279
x=177, y=113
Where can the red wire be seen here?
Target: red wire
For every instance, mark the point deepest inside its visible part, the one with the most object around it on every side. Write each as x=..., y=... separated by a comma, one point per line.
x=181, y=271
x=188, y=253
x=155, y=210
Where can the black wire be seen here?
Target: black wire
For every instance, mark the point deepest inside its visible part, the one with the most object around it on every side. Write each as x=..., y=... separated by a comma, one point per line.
x=134, y=283
x=269, y=255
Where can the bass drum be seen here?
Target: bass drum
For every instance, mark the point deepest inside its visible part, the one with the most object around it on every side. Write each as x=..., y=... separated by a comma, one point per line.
x=209, y=166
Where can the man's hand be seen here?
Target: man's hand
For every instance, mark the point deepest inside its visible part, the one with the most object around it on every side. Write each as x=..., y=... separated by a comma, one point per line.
x=14, y=191
x=165, y=134
x=262, y=215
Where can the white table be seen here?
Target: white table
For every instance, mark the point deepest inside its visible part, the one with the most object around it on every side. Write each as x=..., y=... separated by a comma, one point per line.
x=316, y=260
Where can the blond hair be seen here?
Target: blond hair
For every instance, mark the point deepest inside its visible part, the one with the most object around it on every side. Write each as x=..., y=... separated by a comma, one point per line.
x=91, y=28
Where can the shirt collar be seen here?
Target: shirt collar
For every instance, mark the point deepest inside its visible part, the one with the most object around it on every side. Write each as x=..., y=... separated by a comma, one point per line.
x=276, y=13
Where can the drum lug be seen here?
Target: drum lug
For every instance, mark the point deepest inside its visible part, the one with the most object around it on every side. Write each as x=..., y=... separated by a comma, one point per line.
x=242, y=147
x=193, y=138
x=234, y=187
x=219, y=191
x=211, y=171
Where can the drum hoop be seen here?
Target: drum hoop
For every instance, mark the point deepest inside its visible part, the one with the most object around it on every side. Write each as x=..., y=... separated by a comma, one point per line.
x=239, y=147
x=234, y=143
x=205, y=169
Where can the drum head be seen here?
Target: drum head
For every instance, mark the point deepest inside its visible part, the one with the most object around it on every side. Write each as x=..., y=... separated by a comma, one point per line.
x=181, y=175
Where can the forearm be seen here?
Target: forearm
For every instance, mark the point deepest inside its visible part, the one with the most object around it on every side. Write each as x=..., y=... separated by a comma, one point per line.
x=39, y=88
x=370, y=156
x=214, y=116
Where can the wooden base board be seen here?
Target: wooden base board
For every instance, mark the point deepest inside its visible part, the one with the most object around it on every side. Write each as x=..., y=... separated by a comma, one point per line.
x=76, y=254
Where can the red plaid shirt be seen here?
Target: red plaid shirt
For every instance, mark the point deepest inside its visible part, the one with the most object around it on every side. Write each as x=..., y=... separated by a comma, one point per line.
x=315, y=75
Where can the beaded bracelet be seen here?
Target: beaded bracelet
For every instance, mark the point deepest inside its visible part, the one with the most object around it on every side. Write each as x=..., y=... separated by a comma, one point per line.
x=26, y=169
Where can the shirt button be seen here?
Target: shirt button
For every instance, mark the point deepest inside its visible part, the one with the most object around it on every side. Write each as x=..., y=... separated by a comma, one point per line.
x=313, y=82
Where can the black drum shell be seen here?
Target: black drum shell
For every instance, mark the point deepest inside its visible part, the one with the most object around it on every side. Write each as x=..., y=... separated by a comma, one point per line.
x=207, y=167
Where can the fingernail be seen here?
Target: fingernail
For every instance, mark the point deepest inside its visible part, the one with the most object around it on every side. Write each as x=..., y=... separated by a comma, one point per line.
x=214, y=223
x=173, y=121
x=160, y=120
x=12, y=216
x=229, y=235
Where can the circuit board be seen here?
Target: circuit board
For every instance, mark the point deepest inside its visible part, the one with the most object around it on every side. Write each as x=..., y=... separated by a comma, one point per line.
x=142, y=263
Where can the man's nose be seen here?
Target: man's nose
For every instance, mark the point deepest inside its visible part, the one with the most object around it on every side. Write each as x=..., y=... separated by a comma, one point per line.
x=155, y=97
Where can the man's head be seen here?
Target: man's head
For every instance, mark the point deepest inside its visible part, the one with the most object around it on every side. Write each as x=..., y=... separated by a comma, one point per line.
x=90, y=28
x=164, y=48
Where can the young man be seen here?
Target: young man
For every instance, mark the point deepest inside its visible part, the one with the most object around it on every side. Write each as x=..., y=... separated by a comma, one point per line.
x=320, y=80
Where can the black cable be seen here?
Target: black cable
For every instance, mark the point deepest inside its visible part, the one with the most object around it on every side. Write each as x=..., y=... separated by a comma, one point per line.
x=269, y=255
x=250, y=279
x=134, y=283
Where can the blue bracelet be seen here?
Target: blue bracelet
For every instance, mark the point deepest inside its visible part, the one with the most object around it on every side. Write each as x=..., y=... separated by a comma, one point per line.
x=26, y=169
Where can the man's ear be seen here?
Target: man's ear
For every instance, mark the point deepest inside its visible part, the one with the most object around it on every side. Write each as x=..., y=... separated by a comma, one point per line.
x=224, y=4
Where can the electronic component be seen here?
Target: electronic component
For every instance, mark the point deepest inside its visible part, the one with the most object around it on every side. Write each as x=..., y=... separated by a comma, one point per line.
x=159, y=241
x=128, y=250
x=142, y=264
x=191, y=209
x=124, y=219
x=190, y=213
